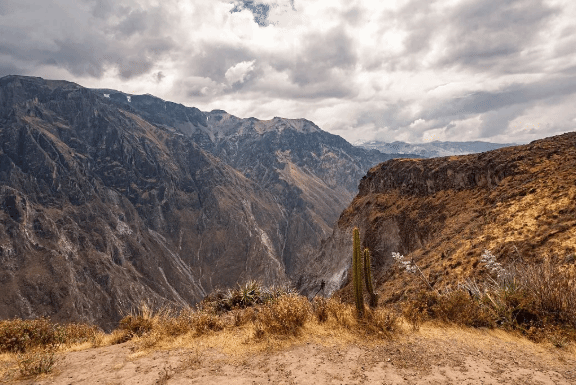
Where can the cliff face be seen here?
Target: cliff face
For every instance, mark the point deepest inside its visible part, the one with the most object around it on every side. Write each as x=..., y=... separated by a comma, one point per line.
x=519, y=202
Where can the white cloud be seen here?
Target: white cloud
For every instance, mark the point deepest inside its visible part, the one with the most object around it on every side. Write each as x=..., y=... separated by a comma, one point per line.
x=238, y=72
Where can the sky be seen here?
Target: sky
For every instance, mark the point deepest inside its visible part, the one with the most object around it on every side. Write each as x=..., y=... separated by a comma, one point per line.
x=416, y=71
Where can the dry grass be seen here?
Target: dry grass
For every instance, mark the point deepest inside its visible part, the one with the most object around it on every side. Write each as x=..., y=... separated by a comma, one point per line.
x=537, y=300
x=19, y=336
x=281, y=319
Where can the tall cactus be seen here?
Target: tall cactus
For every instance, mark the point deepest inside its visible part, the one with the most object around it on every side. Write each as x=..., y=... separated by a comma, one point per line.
x=368, y=279
x=357, y=272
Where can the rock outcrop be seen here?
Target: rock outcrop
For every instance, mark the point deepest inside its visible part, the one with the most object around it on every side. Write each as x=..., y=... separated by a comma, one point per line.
x=519, y=202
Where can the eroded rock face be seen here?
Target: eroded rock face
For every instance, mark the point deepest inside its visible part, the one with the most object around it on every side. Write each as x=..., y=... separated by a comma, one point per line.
x=443, y=213
x=101, y=210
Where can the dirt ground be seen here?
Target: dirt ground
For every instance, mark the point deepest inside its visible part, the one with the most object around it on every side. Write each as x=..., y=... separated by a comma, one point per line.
x=432, y=355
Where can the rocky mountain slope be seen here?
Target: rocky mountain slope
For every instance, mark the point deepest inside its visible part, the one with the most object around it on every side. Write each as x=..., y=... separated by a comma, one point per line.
x=108, y=200
x=432, y=149
x=311, y=174
x=518, y=202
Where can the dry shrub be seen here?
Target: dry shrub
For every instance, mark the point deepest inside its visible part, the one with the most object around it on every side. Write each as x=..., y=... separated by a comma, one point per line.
x=552, y=291
x=172, y=324
x=320, y=309
x=21, y=335
x=380, y=322
x=244, y=316
x=418, y=309
x=457, y=307
x=284, y=317
x=205, y=322
x=538, y=300
x=333, y=309
x=461, y=308
x=36, y=362
x=136, y=325
x=76, y=333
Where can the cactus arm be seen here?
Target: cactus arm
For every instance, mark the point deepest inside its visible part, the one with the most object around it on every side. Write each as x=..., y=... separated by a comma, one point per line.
x=368, y=279
x=357, y=272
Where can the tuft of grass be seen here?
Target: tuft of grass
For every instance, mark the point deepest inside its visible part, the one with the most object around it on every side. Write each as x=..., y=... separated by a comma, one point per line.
x=380, y=322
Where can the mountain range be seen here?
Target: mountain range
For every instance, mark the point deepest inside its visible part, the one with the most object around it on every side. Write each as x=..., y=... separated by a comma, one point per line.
x=109, y=199
x=432, y=149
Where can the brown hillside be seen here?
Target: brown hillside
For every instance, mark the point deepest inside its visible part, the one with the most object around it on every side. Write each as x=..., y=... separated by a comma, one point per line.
x=518, y=202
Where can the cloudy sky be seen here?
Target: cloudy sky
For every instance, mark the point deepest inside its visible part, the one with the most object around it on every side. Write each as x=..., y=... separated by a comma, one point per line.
x=420, y=70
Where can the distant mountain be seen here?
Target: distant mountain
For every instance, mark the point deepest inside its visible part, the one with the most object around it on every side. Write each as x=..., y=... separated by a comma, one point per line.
x=108, y=200
x=442, y=213
x=432, y=149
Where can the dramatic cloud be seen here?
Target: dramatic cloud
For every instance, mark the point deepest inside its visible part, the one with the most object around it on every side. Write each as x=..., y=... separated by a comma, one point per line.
x=413, y=70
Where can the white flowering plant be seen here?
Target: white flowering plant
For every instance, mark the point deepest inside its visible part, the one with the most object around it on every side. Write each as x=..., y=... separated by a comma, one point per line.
x=410, y=267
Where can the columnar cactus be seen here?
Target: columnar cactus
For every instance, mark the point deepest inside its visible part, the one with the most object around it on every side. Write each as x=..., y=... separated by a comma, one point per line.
x=368, y=279
x=357, y=272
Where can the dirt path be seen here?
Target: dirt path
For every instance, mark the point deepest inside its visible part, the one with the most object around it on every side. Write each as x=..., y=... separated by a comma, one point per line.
x=431, y=356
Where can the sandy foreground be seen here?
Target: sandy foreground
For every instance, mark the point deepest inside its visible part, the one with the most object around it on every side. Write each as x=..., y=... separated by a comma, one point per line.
x=432, y=355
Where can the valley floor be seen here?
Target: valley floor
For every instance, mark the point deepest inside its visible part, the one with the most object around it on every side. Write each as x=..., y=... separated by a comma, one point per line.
x=432, y=355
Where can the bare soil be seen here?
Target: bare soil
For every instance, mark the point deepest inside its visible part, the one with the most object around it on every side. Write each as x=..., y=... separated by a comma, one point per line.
x=432, y=355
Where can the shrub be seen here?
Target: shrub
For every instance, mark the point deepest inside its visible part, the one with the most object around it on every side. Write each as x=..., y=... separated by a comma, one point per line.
x=36, y=362
x=18, y=336
x=380, y=322
x=205, y=322
x=250, y=294
x=285, y=317
x=539, y=300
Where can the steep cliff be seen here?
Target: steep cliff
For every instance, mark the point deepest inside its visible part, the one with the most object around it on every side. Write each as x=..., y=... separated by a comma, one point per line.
x=519, y=202
x=311, y=174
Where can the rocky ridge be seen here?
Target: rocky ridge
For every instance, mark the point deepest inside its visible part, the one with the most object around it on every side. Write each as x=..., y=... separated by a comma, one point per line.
x=518, y=202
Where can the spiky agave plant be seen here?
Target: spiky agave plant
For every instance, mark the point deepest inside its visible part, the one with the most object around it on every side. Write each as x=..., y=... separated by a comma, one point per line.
x=357, y=272
x=250, y=293
x=368, y=279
